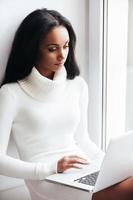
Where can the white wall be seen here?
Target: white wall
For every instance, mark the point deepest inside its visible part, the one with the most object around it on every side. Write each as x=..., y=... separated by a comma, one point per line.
x=13, y=11
x=129, y=99
x=94, y=68
x=130, y=34
x=129, y=92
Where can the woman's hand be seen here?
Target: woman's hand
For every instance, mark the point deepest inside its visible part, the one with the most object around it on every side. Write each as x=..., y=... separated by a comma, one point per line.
x=68, y=162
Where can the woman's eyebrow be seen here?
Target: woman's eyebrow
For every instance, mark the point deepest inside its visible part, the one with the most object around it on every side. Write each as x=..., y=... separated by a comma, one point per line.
x=53, y=44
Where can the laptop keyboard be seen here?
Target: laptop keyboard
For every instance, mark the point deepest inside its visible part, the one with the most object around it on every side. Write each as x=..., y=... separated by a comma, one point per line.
x=89, y=179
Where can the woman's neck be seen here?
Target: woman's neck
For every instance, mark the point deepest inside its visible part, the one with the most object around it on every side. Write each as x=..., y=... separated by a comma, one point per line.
x=46, y=73
x=41, y=87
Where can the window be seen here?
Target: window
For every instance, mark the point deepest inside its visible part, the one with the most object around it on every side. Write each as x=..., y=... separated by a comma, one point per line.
x=115, y=65
x=110, y=71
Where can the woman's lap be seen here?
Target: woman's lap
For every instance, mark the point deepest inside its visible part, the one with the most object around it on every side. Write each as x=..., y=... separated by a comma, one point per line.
x=42, y=190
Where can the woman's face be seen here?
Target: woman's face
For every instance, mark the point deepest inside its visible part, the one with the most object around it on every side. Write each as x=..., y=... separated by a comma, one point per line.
x=53, y=51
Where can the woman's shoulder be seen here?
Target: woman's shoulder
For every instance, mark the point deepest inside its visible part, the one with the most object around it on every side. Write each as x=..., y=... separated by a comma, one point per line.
x=79, y=86
x=9, y=89
x=79, y=82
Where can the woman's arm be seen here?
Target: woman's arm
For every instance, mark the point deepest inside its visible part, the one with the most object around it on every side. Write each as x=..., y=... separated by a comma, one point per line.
x=120, y=191
x=81, y=135
x=10, y=166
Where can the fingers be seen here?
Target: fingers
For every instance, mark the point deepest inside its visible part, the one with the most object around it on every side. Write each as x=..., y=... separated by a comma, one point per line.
x=78, y=159
x=72, y=161
x=77, y=166
x=75, y=160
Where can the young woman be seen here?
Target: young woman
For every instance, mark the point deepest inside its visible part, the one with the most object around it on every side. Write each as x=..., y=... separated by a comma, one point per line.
x=43, y=104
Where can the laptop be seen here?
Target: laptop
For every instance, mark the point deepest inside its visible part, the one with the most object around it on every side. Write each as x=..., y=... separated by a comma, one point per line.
x=104, y=170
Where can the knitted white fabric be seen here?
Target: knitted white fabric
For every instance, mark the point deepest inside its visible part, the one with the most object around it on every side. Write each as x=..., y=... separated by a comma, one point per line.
x=48, y=119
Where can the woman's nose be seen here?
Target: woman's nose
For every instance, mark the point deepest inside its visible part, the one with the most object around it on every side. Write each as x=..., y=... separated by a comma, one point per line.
x=61, y=55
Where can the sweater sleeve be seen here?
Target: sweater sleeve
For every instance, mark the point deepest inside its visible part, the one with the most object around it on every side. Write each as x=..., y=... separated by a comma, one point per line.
x=82, y=135
x=10, y=166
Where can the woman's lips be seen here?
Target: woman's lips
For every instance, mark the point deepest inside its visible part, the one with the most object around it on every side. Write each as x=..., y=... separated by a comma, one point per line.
x=59, y=63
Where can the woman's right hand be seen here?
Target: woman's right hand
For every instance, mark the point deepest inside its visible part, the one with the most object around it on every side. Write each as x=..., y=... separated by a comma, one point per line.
x=68, y=162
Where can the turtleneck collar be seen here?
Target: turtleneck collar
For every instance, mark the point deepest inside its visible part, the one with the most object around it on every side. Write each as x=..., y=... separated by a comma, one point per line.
x=41, y=87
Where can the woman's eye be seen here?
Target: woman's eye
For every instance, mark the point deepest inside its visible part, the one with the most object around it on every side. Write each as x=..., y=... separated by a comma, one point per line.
x=51, y=49
x=67, y=46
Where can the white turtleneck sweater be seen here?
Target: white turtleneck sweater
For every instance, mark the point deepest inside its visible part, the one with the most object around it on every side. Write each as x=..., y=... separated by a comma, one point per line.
x=48, y=119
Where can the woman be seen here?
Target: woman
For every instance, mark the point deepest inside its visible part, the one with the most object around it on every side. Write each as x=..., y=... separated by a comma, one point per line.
x=43, y=103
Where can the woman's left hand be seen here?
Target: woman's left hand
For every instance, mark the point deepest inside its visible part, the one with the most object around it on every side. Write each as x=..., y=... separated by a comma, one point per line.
x=68, y=162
